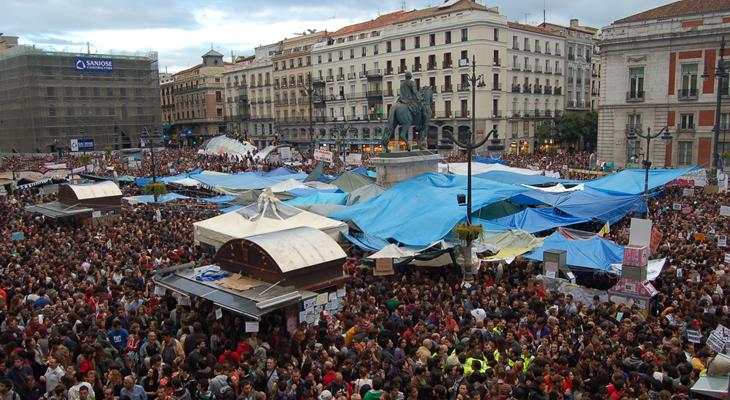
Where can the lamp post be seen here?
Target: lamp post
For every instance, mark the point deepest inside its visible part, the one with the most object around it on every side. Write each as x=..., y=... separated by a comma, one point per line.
x=721, y=74
x=342, y=130
x=150, y=139
x=632, y=134
x=310, y=91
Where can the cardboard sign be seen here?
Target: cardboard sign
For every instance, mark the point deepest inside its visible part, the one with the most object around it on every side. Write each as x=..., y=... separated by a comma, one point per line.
x=321, y=299
x=715, y=342
x=353, y=159
x=310, y=303
x=699, y=236
x=323, y=155
x=687, y=210
x=159, y=291
x=252, y=326
x=677, y=207
x=17, y=236
x=726, y=260
x=285, y=153
x=95, y=214
x=640, y=232
x=383, y=266
x=688, y=192
x=722, y=241
x=656, y=238
x=725, y=211
x=341, y=292
x=694, y=336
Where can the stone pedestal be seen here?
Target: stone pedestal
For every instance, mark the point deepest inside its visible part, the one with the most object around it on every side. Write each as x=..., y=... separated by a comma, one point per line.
x=395, y=167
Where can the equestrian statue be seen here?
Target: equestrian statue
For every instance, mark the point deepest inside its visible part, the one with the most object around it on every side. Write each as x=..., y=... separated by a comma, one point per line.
x=413, y=108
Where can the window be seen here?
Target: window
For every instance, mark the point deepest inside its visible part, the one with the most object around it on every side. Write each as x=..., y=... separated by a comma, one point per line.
x=388, y=47
x=496, y=34
x=51, y=91
x=402, y=44
x=352, y=53
x=447, y=37
x=51, y=111
x=464, y=34
x=319, y=59
x=375, y=49
x=636, y=83
x=340, y=55
x=417, y=42
x=515, y=44
x=537, y=45
x=685, y=153
x=526, y=46
x=689, y=80
x=687, y=121
x=364, y=51
x=432, y=39
x=633, y=151
x=329, y=57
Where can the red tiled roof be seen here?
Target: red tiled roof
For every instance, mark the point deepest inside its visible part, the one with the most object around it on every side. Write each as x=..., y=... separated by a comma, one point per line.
x=534, y=29
x=402, y=16
x=679, y=8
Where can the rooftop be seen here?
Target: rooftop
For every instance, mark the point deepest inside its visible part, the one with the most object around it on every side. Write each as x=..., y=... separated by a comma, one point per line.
x=534, y=29
x=680, y=8
x=212, y=53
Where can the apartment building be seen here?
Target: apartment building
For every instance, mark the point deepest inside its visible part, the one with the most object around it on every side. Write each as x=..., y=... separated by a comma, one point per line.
x=292, y=72
x=238, y=112
x=596, y=76
x=199, y=99
x=536, y=81
x=651, y=78
x=167, y=98
x=361, y=68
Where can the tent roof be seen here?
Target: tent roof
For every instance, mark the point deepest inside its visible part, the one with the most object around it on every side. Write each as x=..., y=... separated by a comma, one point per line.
x=535, y=220
x=298, y=248
x=596, y=253
x=631, y=181
x=480, y=168
x=57, y=210
x=225, y=145
x=365, y=193
x=423, y=209
x=522, y=179
x=587, y=203
x=350, y=181
x=320, y=198
x=96, y=190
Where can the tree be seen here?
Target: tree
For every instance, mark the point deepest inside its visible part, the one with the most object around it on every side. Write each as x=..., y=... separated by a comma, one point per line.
x=573, y=129
x=84, y=159
x=156, y=189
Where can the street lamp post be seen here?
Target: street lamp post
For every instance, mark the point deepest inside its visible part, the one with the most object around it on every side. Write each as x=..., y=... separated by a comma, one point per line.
x=309, y=91
x=721, y=74
x=150, y=141
x=648, y=136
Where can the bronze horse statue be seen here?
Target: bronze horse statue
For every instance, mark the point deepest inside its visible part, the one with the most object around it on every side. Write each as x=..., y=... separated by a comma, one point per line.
x=401, y=117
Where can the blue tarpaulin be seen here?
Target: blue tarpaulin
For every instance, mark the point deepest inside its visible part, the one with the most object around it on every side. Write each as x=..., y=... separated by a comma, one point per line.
x=163, y=198
x=366, y=242
x=217, y=200
x=596, y=253
x=424, y=209
x=488, y=160
x=231, y=208
x=141, y=182
x=520, y=179
x=536, y=220
x=280, y=171
x=245, y=180
x=588, y=203
x=320, y=198
x=631, y=181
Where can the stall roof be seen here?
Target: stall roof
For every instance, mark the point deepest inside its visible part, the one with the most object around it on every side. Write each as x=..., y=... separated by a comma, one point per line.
x=96, y=190
x=58, y=210
x=297, y=248
x=253, y=303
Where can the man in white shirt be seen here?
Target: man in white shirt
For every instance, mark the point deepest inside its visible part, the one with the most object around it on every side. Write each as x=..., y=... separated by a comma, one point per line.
x=53, y=374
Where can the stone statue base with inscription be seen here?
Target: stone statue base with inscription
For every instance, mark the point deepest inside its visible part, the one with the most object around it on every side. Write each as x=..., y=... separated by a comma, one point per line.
x=395, y=167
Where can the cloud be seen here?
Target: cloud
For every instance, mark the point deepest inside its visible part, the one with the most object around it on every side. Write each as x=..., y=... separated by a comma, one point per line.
x=181, y=31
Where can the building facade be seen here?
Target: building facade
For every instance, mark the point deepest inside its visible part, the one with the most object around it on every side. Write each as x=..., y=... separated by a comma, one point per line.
x=7, y=42
x=536, y=77
x=653, y=64
x=167, y=98
x=292, y=72
x=199, y=99
x=49, y=98
x=596, y=68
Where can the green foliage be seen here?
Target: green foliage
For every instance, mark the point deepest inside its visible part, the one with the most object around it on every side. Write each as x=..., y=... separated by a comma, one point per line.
x=84, y=158
x=468, y=232
x=155, y=188
x=108, y=150
x=572, y=129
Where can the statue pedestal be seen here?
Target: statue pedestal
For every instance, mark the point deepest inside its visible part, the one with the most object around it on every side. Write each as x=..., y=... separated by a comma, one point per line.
x=395, y=167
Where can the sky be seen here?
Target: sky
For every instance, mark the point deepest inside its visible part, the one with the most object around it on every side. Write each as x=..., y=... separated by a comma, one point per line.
x=182, y=30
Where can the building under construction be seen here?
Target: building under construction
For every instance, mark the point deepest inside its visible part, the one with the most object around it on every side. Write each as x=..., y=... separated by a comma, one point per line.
x=51, y=101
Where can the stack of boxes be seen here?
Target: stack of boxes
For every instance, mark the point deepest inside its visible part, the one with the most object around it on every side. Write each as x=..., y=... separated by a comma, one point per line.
x=633, y=287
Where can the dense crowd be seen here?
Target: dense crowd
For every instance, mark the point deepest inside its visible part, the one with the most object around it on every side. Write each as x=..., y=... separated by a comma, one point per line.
x=80, y=319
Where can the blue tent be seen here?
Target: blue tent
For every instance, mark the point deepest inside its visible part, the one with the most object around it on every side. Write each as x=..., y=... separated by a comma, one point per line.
x=520, y=179
x=631, y=181
x=366, y=242
x=488, y=160
x=218, y=199
x=163, y=198
x=596, y=253
x=535, y=220
x=245, y=180
x=142, y=182
x=587, y=203
x=305, y=192
x=424, y=209
x=280, y=171
x=320, y=198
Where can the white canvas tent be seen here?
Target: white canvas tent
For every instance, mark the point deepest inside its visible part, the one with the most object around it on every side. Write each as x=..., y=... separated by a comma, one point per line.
x=266, y=216
x=225, y=145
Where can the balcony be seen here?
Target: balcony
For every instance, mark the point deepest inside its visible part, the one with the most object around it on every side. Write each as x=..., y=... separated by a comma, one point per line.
x=516, y=89
x=538, y=69
x=538, y=113
x=443, y=114
x=447, y=64
x=284, y=85
x=374, y=73
x=463, y=62
x=687, y=94
x=374, y=93
x=594, y=92
x=527, y=89
x=687, y=127
x=538, y=90
x=635, y=97
x=557, y=53
x=496, y=114
x=515, y=114
x=293, y=102
x=388, y=93
x=497, y=62
x=594, y=73
x=571, y=104
x=558, y=71
x=416, y=67
x=363, y=74
x=528, y=68
x=447, y=89
x=402, y=69
x=548, y=113
x=351, y=75
x=527, y=48
x=516, y=67
x=527, y=114
x=340, y=77
x=548, y=90
x=548, y=52
x=329, y=78
x=558, y=113
x=497, y=86
x=558, y=91
x=633, y=128
x=515, y=46
x=431, y=66
x=571, y=57
x=464, y=87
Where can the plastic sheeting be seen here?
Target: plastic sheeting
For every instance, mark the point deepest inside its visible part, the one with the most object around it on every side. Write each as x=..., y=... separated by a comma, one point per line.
x=535, y=220
x=367, y=242
x=245, y=180
x=488, y=160
x=480, y=168
x=231, y=147
x=496, y=241
x=588, y=203
x=351, y=181
x=423, y=209
x=320, y=198
x=148, y=198
x=365, y=193
x=596, y=253
x=521, y=179
x=631, y=181
x=218, y=199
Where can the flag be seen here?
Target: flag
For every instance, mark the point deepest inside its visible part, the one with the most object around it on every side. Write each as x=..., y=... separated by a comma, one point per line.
x=605, y=230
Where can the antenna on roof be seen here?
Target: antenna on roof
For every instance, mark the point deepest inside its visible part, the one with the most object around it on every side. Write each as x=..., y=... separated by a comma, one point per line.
x=544, y=6
x=525, y=14
x=88, y=48
x=403, y=5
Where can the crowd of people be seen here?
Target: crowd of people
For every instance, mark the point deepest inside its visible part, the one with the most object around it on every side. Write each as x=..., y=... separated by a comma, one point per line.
x=80, y=318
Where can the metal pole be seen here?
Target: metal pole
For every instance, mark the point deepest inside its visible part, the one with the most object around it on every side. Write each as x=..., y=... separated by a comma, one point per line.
x=720, y=77
x=647, y=164
x=310, y=93
x=473, y=82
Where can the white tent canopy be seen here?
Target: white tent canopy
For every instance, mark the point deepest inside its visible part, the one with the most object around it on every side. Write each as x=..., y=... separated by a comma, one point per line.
x=96, y=190
x=480, y=168
x=231, y=147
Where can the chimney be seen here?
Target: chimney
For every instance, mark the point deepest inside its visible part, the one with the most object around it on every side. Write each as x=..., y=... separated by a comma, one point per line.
x=574, y=23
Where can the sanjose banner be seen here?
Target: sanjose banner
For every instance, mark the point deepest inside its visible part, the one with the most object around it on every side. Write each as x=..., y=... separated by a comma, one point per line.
x=94, y=64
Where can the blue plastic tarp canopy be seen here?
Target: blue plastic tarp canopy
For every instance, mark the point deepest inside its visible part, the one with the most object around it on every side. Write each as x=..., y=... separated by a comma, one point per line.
x=320, y=198
x=231, y=208
x=163, y=198
x=631, y=181
x=367, y=242
x=280, y=171
x=588, y=203
x=142, y=182
x=488, y=160
x=520, y=179
x=424, y=209
x=218, y=199
x=537, y=220
x=596, y=253
x=304, y=192
x=244, y=180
